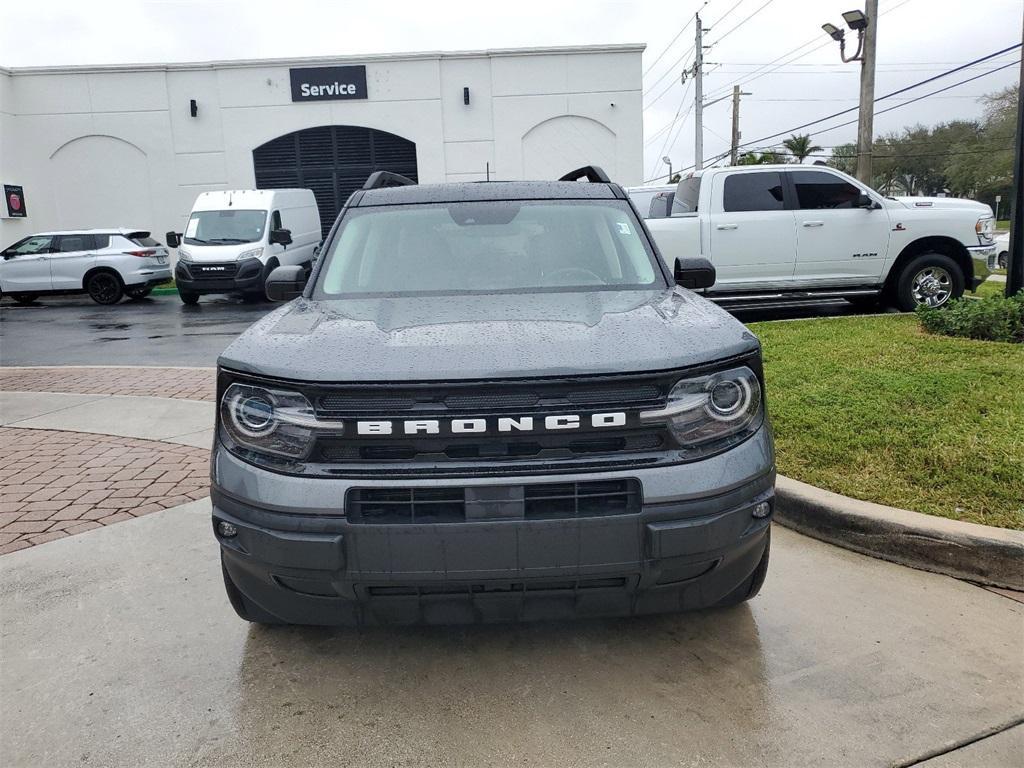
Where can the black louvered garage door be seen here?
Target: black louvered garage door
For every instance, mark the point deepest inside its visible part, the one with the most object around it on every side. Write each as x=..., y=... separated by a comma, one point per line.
x=333, y=161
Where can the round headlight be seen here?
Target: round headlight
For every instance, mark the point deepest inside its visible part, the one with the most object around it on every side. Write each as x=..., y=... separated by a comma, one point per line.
x=728, y=398
x=253, y=415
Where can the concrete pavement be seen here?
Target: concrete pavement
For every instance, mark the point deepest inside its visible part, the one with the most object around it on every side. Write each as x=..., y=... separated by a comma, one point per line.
x=120, y=649
x=186, y=422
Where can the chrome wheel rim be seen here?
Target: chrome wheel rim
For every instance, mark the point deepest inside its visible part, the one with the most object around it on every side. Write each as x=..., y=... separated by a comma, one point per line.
x=932, y=287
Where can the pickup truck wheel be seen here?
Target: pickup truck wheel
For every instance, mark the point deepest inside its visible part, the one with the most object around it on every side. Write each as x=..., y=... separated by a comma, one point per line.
x=749, y=588
x=104, y=288
x=1002, y=259
x=930, y=280
x=23, y=298
x=245, y=609
x=188, y=298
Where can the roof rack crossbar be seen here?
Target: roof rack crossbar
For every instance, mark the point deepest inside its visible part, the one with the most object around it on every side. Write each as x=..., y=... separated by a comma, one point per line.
x=592, y=173
x=381, y=179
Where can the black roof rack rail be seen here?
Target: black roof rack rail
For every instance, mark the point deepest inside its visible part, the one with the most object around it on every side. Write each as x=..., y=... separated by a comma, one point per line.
x=381, y=179
x=591, y=173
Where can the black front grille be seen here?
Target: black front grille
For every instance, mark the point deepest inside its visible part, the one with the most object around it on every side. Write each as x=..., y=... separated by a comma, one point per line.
x=497, y=587
x=219, y=271
x=552, y=501
x=481, y=399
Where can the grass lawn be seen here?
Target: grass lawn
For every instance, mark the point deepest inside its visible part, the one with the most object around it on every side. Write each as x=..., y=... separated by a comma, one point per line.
x=988, y=288
x=874, y=408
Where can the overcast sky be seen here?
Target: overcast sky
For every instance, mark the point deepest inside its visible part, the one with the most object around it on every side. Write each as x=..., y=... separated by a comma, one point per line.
x=917, y=39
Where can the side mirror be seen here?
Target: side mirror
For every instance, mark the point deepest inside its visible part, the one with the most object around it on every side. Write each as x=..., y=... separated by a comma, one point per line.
x=694, y=272
x=281, y=236
x=173, y=239
x=864, y=201
x=286, y=283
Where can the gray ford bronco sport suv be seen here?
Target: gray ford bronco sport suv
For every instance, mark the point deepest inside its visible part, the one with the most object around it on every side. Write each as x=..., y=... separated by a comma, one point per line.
x=490, y=402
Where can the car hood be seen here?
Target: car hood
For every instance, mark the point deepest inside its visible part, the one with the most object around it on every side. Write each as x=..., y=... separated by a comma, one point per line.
x=944, y=202
x=488, y=336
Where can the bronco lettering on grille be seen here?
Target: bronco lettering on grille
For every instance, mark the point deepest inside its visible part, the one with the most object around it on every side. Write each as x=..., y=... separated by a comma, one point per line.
x=502, y=424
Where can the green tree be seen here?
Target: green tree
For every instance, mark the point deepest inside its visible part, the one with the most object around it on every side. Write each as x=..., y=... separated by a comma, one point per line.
x=982, y=166
x=762, y=158
x=800, y=146
x=844, y=158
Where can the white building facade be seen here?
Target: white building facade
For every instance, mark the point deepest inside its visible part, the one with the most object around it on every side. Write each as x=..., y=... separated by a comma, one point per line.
x=133, y=145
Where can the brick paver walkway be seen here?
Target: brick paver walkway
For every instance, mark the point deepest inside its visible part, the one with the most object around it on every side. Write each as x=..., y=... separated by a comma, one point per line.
x=183, y=383
x=54, y=484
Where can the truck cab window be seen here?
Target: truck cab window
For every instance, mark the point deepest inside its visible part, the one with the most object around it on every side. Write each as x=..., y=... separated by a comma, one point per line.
x=753, y=192
x=816, y=190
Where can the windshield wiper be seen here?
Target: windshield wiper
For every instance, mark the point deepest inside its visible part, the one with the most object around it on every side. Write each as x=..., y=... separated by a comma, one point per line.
x=193, y=240
x=229, y=240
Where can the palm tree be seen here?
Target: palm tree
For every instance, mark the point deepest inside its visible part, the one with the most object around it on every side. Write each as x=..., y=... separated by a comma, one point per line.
x=800, y=146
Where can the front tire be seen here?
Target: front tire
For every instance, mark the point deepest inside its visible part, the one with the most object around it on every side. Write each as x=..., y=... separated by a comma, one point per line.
x=104, y=288
x=929, y=280
x=191, y=299
x=24, y=298
x=1003, y=259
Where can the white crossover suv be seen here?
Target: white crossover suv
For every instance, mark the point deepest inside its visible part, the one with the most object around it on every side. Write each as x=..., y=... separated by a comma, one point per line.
x=108, y=264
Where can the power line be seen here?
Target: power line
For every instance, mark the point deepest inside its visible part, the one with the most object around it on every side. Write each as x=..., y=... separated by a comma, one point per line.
x=741, y=82
x=668, y=126
x=668, y=87
x=671, y=43
x=896, y=93
x=878, y=112
x=744, y=21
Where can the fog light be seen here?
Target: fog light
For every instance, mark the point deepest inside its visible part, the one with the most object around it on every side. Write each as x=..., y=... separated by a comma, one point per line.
x=227, y=530
x=761, y=509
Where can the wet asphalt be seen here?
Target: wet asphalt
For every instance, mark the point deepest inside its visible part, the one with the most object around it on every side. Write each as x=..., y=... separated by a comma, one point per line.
x=160, y=330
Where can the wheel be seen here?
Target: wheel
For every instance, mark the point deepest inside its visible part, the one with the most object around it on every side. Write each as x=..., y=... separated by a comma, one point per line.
x=139, y=293
x=23, y=298
x=260, y=294
x=245, y=609
x=188, y=298
x=749, y=588
x=929, y=280
x=1002, y=259
x=104, y=288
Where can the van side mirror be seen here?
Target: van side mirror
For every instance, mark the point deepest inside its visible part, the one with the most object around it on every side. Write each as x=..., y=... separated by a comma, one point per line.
x=281, y=236
x=173, y=239
x=286, y=283
x=694, y=272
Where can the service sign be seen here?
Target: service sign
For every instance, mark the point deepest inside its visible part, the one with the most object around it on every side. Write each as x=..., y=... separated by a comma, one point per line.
x=328, y=83
x=14, y=202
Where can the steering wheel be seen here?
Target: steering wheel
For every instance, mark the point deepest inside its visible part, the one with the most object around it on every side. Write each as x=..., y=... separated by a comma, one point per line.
x=574, y=274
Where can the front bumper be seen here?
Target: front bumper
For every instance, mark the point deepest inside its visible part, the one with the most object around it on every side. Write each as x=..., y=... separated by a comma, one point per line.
x=982, y=256
x=693, y=542
x=219, y=277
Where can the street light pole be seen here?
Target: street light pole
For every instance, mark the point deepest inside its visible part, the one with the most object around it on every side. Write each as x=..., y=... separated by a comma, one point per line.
x=866, y=114
x=668, y=161
x=865, y=24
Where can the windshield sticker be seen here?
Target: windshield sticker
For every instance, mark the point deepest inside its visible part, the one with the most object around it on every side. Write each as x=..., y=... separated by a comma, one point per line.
x=193, y=225
x=623, y=228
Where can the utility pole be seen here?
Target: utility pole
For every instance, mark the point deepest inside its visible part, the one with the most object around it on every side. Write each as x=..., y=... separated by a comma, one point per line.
x=698, y=98
x=1015, y=263
x=735, y=149
x=866, y=115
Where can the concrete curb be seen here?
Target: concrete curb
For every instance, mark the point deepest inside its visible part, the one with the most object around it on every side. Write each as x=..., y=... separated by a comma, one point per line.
x=978, y=553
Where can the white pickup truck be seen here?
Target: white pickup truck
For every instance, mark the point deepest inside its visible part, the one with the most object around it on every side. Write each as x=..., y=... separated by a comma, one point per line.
x=790, y=232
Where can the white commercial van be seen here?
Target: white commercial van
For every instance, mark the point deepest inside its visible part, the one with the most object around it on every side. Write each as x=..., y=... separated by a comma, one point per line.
x=235, y=238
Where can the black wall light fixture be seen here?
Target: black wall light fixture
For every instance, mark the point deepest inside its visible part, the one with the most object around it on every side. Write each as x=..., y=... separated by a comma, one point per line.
x=465, y=95
x=193, y=108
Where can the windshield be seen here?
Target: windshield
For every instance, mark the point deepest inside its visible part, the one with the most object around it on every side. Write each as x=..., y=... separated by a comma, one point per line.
x=487, y=247
x=225, y=227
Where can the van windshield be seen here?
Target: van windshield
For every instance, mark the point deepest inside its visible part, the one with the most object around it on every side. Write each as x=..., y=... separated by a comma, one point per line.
x=488, y=247
x=225, y=227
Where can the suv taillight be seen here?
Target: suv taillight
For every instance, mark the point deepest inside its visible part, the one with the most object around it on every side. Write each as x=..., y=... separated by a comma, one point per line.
x=142, y=254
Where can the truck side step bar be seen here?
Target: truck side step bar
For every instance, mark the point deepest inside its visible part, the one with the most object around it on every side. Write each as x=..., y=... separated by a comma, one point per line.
x=807, y=296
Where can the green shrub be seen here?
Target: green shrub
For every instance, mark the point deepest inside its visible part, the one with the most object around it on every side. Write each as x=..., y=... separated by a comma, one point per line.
x=995, y=318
